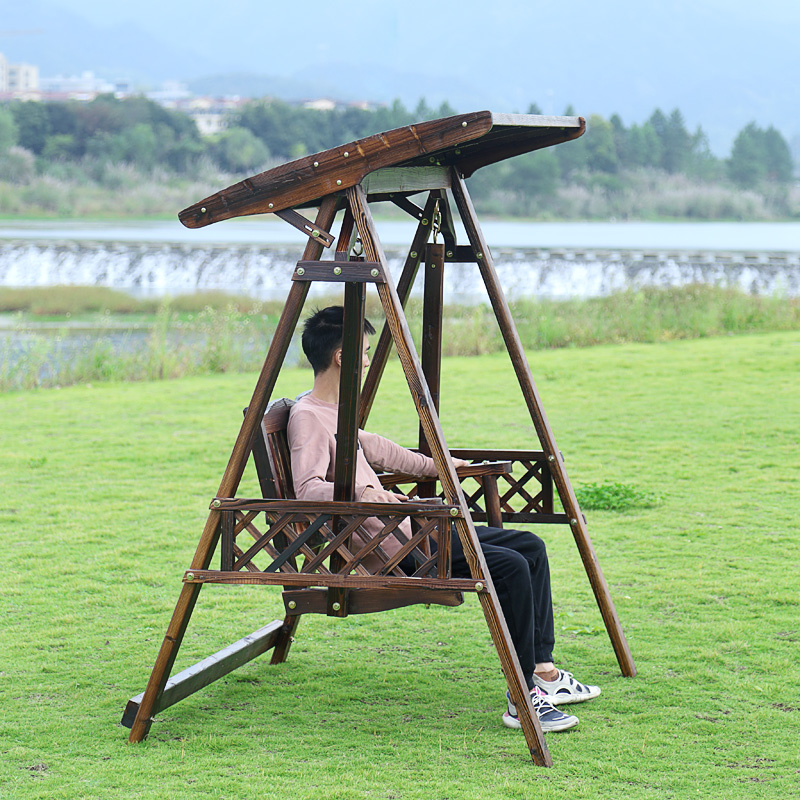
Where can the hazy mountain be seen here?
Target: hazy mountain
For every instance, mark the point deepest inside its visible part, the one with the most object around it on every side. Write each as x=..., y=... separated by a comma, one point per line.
x=60, y=42
x=722, y=62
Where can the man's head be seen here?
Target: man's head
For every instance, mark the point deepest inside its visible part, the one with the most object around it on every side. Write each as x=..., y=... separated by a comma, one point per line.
x=322, y=336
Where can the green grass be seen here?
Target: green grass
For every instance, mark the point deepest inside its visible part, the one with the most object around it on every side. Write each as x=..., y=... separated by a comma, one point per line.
x=211, y=332
x=105, y=491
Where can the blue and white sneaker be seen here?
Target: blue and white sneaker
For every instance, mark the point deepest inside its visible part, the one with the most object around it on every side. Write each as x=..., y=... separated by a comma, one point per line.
x=550, y=718
x=565, y=689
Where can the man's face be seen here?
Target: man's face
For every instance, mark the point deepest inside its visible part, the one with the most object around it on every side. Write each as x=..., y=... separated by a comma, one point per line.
x=365, y=353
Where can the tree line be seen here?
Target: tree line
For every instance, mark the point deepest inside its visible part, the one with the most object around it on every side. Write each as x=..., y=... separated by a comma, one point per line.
x=262, y=133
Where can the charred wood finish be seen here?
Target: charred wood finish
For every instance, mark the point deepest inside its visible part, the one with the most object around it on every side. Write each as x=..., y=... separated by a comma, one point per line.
x=199, y=576
x=469, y=141
x=542, y=426
x=208, y=670
x=229, y=484
x=315, y=601
x=339, y=271
x=451, y=487
x=319, y=551
x=404, y=285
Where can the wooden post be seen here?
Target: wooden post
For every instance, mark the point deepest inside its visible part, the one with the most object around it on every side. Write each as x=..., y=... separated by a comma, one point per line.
x=230, y=482
x=440, y=453
x=404, y=285
x=432, y=306
x=542, y=426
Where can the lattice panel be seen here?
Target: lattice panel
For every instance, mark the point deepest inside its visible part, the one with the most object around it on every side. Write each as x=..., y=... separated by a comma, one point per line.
x=309, y=543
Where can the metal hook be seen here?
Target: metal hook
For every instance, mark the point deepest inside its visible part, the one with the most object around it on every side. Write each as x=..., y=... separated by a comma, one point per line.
x=437, y=221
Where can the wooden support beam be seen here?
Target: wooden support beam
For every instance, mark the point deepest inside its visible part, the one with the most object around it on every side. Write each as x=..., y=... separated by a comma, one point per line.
x=404, y=285
x=517, y=683
x=197, y=577
x=339, y=271
x=230, y=482
x=306, y=226
x=542, y=426
x=392, y=180
x=210, y=669
x=367, y=601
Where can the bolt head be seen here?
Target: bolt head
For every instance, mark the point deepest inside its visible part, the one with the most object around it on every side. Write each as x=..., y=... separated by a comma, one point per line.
x=480, y=255
x=374, y=273
x=449, y=253
x=190, y=576
x=338, y=183
x=316, y=163
x=301, y=271
x=346, y=154
x=413, y=254
x=292, y=604
x=272, y=205
x=464, y=124
x=315, y=233
x=551, y=458
x=573, y=522
x=217, y=503
x=478, y=587
x=424, y=221
x=454, y=512
x=203, y=210
x=337, y=606
x=337, y=270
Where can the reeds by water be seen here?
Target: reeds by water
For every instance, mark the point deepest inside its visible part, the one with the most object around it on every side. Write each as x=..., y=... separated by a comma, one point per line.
x=125, y=339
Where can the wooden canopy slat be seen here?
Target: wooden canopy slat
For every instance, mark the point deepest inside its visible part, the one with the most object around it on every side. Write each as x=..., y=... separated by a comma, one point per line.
x=467, y=141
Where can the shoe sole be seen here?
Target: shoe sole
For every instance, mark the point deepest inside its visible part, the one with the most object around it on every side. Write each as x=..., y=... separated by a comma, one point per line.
x=564, y=725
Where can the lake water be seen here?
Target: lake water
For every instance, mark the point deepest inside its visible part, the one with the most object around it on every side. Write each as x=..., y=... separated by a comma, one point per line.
x=543, y=259
x=714, y=236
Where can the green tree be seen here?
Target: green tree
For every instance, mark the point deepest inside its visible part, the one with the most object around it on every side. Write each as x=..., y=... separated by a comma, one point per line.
x=777, y=156
x=759, y=155
x=8, y=130
x=533, y=176
x=676, y=142
x=33, y=125
x=601, y=150
x=238, y=150
x=643, y=147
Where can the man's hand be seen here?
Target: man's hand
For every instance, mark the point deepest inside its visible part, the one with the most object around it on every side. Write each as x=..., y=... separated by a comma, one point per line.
x=460, y=462
x=372, y=495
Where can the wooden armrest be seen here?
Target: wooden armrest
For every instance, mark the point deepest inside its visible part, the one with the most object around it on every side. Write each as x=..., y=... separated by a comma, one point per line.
x=470, y=471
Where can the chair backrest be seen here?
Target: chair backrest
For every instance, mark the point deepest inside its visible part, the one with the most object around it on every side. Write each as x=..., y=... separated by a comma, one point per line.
x=271, y=452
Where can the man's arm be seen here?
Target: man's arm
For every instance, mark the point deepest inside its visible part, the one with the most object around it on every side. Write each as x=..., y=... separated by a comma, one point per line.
x=384, y=454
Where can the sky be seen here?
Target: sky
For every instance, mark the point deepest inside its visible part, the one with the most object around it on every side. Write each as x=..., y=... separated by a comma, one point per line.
x=722, y=62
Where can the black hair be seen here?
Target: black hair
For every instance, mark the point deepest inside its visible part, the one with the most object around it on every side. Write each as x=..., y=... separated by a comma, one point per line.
x=322, y=336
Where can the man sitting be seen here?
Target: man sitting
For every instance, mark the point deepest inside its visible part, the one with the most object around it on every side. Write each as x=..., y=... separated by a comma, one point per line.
x=517, y=560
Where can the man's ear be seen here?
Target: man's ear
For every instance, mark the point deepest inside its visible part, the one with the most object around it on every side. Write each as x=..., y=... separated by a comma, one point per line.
x=337, y=357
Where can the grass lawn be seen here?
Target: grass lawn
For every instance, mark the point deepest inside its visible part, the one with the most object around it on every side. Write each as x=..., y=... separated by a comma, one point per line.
x=104, y=494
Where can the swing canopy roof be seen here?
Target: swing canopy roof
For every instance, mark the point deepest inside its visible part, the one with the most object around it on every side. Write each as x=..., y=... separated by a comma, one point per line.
x=465, y=141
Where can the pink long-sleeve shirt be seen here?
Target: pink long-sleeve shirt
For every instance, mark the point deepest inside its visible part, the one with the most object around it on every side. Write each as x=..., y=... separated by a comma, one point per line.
x=312, y=442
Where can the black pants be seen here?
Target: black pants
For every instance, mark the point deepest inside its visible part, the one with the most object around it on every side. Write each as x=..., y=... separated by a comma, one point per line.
x=518, y=564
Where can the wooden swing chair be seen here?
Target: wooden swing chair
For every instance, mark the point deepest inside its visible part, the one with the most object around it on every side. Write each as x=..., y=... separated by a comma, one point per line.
x=318, y=552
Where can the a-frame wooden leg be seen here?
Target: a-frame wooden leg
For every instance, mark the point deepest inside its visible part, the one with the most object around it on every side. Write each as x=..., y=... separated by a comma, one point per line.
x=230, y=482
x=404, y=285
x=285, y=639
x=452, y=488
x=542, y=426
